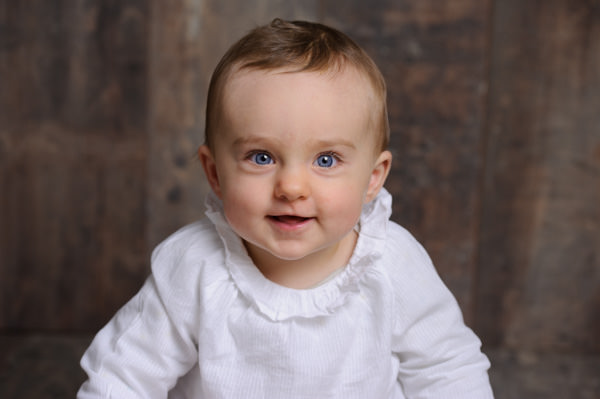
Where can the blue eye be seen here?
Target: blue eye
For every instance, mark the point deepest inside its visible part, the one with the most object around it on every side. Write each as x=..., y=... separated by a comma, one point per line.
x=261, y=158
x=326, y=161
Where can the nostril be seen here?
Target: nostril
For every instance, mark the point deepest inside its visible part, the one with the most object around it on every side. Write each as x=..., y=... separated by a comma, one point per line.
x=291, y=190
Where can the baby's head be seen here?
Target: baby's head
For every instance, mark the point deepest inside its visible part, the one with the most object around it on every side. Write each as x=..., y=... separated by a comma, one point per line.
x=296, y=134
x=297, y=47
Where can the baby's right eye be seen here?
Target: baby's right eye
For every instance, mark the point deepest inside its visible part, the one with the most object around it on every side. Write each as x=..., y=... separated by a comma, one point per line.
x=261, y=158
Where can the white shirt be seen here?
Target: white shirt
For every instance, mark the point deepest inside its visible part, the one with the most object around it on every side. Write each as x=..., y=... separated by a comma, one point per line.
x=207, y=324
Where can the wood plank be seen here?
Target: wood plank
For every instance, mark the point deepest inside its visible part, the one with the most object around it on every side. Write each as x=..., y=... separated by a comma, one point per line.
x=433, y=56
x=540, y=249
x=40, y=366
x=518, y=375
x=72, y=164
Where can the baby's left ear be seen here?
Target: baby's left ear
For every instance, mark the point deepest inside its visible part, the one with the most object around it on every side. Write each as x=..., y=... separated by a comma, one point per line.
x=379, y=173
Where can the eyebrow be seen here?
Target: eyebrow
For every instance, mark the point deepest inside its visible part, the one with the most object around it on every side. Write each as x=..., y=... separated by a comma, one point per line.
x=257, y=140
x=333, y=143
x=253, y=140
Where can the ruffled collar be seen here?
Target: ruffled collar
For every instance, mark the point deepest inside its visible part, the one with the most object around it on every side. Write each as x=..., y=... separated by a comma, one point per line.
x=280, y=303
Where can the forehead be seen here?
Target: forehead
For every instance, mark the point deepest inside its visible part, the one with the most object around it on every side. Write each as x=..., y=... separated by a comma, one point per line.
x=334, y=99
x=347, y=78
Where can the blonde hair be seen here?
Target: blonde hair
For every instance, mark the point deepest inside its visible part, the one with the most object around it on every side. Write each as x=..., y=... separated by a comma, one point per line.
x=302, y=47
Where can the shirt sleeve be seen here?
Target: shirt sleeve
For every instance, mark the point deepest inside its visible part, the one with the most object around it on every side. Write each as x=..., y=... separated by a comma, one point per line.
x=438, y=355
x=140, y=353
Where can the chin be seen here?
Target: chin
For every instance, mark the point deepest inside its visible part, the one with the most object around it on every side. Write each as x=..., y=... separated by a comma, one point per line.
x=290, y=254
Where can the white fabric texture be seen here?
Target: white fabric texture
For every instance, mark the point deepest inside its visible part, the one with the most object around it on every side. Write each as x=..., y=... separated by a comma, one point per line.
x=207, y=324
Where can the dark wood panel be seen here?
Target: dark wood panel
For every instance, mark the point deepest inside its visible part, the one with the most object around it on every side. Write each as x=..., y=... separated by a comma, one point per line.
x=72, y=161
x=434, y=58
x=41, y=367
x=540, y=249
x=82, y=65
x=523, y=374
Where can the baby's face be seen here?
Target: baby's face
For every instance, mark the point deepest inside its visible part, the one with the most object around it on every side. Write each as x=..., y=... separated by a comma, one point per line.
x=295, y=159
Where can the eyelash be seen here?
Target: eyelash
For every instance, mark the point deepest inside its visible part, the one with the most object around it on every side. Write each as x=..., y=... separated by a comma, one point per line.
x=253, y=154
x=334, y=157
x=252, y=157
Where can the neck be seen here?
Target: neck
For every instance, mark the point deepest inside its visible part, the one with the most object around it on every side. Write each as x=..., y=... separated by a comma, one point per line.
x=307, y=271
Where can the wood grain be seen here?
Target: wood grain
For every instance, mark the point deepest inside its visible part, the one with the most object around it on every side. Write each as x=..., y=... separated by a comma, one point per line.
x=540, y=240
x=72, y=162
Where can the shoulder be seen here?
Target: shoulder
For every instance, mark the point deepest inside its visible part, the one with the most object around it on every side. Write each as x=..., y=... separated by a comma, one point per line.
x=197, y=236
x=182, y=260
x=402, y=246
x=408, y=265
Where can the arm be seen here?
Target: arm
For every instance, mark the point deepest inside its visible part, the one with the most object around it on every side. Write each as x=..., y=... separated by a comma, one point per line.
x=140, y=353
x=439, y=356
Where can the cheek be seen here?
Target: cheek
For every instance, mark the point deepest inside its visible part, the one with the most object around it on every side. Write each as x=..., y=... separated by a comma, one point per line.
x=238, y=215
x=344, y=207
x=242, y=202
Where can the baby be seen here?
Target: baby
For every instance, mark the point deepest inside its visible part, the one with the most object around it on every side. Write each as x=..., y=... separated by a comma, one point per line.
x=297, y=284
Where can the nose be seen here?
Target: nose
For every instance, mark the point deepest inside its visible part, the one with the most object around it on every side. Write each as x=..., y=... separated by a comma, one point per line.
x=292, y=184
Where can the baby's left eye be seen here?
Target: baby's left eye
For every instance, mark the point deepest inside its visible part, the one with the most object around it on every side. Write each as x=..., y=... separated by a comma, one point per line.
x=326, y=160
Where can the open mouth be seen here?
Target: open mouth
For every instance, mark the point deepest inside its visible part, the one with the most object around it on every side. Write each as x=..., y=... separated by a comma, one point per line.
x=289, y=219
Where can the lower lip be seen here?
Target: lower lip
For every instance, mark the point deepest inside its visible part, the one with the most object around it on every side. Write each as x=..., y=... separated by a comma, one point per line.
x=290, y=226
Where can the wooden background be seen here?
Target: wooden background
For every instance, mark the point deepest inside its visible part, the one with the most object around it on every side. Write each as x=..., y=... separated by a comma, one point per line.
x=495, y=114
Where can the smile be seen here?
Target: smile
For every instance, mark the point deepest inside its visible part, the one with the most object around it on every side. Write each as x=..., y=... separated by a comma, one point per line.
x=289, y=222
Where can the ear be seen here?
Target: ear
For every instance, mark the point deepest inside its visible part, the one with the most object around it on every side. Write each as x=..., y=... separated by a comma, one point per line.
x=210, y=168
x=380, y=171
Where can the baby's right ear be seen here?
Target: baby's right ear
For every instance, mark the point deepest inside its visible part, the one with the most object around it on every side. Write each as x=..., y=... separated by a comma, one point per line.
x=210, y=168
